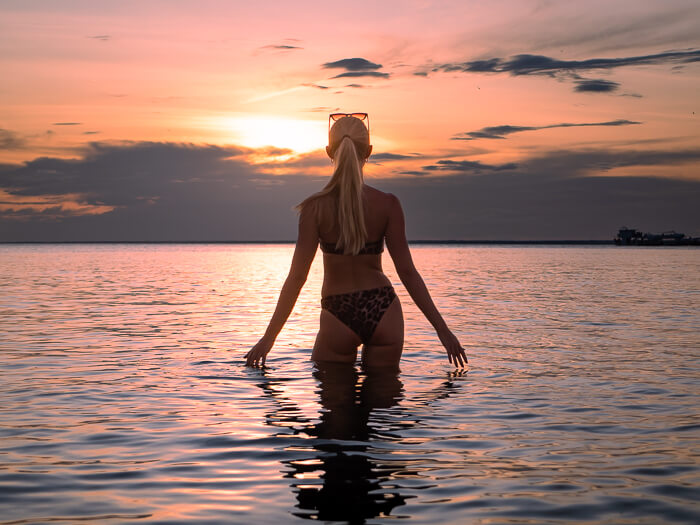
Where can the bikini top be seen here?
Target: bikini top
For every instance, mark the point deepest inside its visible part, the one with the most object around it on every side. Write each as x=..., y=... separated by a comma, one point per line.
x=373, y=248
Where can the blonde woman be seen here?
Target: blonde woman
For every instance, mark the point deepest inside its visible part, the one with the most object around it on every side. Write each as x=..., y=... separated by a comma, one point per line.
x=351, y=221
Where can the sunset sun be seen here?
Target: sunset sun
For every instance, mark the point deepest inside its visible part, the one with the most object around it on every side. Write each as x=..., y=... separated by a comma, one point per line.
x=258, y=131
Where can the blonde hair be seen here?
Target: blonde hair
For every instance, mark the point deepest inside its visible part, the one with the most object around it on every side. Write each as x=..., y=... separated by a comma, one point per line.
x=345, y=138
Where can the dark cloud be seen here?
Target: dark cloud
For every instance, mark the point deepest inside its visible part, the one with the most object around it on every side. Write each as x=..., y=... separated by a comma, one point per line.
x=355, y=68
x=354, y=74
x=500, y=132
x=115, y=173
x=526, y=64
x=355, y=86
x=67, y=124
x=9, y=140
x=352, y=64
x=186, y=192
x=476, y=66
x=595, y=86
x=103, y=38
x=317, y=86
x=90, y=132
x=155, y=191
x=540, y=205
x=556, y=195
x=542, y=65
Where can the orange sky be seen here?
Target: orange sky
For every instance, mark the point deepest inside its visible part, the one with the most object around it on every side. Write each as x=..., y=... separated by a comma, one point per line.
x=613, y=78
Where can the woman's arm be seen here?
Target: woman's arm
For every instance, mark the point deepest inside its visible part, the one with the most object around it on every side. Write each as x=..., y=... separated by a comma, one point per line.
x=412, y=280
x=307, y=243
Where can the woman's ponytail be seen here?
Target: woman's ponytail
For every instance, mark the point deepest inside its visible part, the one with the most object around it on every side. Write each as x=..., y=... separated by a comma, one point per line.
x=348, y=135
x=351, y=216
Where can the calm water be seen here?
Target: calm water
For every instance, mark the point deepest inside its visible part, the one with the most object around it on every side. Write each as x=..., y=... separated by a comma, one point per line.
x=124, y=399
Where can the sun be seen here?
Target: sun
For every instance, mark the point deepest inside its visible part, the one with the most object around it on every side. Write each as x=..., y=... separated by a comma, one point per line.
x=259, y=131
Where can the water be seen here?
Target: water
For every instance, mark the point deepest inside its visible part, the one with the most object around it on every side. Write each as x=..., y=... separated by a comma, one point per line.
x=124, y=398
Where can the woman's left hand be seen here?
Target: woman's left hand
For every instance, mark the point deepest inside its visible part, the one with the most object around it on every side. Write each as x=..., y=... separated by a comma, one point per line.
x=256, y=356
x=455, y=353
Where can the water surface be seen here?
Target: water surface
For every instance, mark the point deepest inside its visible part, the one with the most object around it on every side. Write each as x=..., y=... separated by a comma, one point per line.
x=125, y=399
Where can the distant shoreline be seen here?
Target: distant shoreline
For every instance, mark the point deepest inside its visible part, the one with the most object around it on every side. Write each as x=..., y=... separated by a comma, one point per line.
x=416, y=242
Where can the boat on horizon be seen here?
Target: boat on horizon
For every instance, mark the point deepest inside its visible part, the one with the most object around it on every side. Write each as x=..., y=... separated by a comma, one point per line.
x=631, y=237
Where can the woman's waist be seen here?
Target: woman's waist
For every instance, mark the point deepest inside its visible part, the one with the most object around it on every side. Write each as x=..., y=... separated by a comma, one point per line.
x=336, y=285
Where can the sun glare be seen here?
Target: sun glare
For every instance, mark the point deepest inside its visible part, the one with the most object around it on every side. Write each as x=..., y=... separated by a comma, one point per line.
x=300, y=136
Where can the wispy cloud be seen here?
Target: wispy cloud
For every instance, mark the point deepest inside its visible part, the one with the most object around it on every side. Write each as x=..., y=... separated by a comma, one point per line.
x=42, y=208
x=355, y=74
x=266, y=96
x=284, y=47
x=500, y=132
x=317, y=86
x=274, y=94
x=393, y=156
x=323, y=109
x=606, y=28
x=66, y=124
x=468, y=166
x=279, y=47
x=102, y=38
x=10, y=140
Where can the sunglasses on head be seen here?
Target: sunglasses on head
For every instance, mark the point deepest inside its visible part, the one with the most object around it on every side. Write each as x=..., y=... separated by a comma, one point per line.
x=364, y=117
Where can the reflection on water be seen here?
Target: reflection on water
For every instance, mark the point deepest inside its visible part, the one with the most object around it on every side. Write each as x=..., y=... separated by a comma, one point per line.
x=338, y=474
x=334, y=478
x=125, y=399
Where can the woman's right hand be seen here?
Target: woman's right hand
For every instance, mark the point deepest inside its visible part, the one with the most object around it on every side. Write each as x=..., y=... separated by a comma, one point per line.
x=455, y=353
x=256, y=356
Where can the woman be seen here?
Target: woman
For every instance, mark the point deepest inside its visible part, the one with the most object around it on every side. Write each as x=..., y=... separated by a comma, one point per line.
x=351, y=221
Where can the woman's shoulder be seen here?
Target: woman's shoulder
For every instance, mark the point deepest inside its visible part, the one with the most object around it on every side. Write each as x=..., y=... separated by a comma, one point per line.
x=380, y=196
x=313, y=203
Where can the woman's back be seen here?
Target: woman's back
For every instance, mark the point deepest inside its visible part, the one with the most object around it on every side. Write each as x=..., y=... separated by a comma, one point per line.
x=351, y=221
x=348, y=273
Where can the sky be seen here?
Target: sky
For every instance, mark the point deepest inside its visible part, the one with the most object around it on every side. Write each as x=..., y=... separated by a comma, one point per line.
x=207, y=121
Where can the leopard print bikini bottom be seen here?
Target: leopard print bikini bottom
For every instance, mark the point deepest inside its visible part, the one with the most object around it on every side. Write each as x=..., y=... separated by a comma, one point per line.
x=360, y=311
